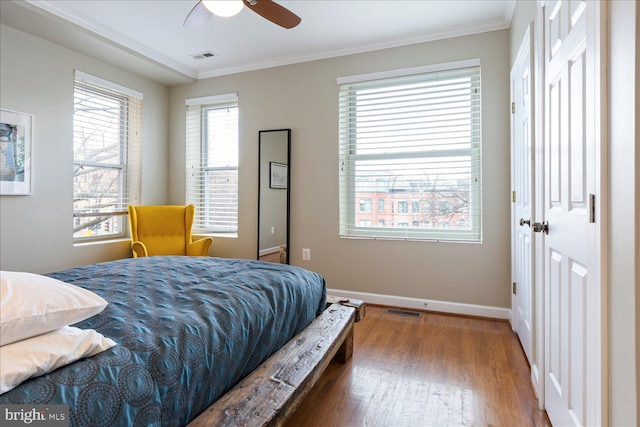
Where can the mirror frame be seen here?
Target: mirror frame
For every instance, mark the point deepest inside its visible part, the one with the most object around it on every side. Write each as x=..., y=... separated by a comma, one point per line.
x=288, y=189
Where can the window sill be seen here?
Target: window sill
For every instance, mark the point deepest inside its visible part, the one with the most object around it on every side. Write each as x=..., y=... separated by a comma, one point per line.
x=218, y=235
x=101, y=241
x=409, y=239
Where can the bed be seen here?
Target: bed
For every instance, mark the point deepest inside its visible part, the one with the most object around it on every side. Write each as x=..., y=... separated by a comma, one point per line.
x=187, y=331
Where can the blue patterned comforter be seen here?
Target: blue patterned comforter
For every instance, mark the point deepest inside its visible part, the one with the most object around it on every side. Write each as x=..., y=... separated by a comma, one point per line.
x=188, y=329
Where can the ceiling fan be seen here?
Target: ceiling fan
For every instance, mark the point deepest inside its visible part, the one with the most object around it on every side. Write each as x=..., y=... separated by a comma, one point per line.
x=204, y=9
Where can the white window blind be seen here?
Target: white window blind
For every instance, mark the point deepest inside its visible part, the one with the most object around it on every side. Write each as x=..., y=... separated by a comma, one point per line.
x=412, y=140
x=212, y=162
x=107, y=145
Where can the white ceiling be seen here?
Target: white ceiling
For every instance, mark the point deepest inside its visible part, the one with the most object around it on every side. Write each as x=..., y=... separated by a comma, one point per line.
x=149, y=35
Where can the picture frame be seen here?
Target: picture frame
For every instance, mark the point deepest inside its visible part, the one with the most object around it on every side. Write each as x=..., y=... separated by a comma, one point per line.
x=16, y=132
x=278, y=175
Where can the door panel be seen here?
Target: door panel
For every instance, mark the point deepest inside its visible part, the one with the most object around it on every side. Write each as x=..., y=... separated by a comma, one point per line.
x=577, y=123
x=554, y=335
x=553, y=180
x=577, y=348
x=522, y=184
x=570, y=243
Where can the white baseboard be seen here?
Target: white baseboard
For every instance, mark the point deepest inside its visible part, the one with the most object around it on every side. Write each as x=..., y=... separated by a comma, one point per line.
x=425, y=304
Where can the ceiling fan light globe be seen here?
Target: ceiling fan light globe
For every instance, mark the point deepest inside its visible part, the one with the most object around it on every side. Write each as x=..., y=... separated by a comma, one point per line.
x=223, y=8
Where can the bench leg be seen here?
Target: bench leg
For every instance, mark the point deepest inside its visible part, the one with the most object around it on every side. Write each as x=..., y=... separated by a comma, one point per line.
x=345, y=352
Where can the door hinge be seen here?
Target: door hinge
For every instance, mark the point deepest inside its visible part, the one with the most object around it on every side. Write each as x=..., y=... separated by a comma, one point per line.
x=513, y=196
x=592, y=208
x=514, y=288
x=513, y=108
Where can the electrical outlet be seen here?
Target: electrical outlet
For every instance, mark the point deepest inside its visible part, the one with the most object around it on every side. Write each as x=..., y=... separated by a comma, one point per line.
x=306, y=254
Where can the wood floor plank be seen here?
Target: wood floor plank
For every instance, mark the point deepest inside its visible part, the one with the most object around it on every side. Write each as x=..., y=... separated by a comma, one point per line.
x=435, y=370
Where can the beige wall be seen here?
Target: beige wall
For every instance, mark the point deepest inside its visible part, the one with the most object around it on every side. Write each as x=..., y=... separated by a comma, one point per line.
x=37, y=77
x=304, y=97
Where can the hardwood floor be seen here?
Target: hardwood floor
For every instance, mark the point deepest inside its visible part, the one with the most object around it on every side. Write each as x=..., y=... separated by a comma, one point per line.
x=436, y=370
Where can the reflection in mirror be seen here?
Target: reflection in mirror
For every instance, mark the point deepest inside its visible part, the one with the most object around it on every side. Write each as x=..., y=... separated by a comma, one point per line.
x=273, y=196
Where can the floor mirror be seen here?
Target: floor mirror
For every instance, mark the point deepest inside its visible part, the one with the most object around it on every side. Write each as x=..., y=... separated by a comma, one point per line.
x=273, y=195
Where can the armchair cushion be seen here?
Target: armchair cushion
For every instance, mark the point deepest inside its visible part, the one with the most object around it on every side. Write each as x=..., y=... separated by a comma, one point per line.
x=165, y=230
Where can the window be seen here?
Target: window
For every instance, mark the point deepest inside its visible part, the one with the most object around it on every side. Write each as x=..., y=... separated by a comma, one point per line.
x=212, y=162
x=365, y=205
x=107, y=142
x=416, y=133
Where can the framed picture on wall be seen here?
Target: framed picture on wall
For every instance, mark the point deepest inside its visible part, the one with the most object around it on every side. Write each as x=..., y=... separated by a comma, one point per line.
x=278, y=175
x=15, y=152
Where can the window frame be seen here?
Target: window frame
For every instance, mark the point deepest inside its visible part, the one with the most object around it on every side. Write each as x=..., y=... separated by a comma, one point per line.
x=347, y=165
x=201, y=200
x=129, y=149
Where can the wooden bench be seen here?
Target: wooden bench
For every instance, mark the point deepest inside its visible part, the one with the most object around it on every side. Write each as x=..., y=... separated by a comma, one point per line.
x=271, y=393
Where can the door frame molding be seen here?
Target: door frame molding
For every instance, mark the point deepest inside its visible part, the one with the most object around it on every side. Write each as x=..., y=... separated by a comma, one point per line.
x=598, y=391
x=538, y=377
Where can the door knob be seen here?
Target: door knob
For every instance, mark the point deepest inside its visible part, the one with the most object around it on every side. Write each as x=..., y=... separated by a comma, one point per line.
x=525, y=221
x=541, y=227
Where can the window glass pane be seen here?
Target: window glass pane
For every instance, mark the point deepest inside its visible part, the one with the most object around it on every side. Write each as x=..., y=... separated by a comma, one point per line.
x=97, y=132
x=97, y=189
x=97, y=225
x=221, y=176
x=222, y=137
x=221, y=199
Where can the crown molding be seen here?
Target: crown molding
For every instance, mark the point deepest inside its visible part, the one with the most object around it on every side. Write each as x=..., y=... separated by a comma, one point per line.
x=493, y=25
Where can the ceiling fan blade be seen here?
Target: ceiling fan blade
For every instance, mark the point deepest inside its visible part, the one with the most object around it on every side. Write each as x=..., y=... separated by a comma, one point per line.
x=198, y=16
x=273, y=12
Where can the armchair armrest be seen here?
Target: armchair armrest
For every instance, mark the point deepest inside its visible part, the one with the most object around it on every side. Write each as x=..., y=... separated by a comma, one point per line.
x=199, y=247
x=139, y=249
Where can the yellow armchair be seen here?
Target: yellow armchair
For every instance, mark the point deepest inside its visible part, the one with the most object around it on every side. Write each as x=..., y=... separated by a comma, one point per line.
x=165, y=230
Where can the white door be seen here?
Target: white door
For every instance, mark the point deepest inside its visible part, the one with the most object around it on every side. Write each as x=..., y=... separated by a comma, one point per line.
x=573, y=371
x=522, y=185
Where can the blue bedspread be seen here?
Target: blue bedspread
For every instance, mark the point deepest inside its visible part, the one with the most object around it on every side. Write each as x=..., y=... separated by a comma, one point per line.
x=188, y=329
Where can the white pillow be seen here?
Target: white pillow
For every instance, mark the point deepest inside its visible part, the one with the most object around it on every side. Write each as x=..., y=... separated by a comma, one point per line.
x=31, y=304
x=42, y=354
